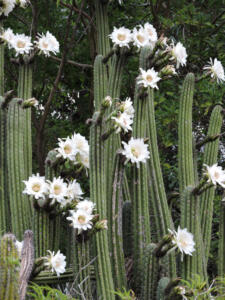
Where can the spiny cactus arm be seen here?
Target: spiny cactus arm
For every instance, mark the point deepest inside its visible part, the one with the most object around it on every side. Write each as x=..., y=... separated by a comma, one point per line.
x=158, y=197
x=102, y=25
x=118, y=264
x=2, y=47
x=151, y=263
x=97, y=194
x=140, y=199
x=163, y=283
x=221, y=256
x=185, y=150
x=100, y=80
x=27, y=261
x=9, y=268
x=210, y=158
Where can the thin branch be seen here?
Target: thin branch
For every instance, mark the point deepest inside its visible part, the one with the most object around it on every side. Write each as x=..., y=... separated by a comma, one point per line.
x=74, y=63
x=218, y=28
x=218, y=16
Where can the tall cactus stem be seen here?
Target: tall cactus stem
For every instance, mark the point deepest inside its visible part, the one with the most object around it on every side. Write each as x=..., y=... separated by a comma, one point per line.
x=158, y=198
x=221, y=256
x=100, y=80
x=210, y=158
x=9, y=268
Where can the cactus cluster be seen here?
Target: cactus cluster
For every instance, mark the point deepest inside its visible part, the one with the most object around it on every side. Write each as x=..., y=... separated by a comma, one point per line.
x=139, y=248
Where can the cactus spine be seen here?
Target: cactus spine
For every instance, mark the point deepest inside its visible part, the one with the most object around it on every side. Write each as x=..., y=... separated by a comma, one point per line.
x=9, y=268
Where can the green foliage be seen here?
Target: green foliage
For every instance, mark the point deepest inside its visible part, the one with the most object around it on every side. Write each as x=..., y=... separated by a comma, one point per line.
x=125, y=295
x=46, y=293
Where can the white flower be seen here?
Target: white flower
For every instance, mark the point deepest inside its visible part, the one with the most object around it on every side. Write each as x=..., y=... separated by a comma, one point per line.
x=121, y=37
x=67, y=149
x=47, y=43
x=80, y=143
x=140, y=37
x=7, y=36
x=19, y=247
x=23, y=3
x=74, y=190
x=152, y=34
x=81, y=220
x=86, y=205
x=148, y=78
x=136, y=151
x=7, y=6
x=56, y=262
x=183, y=240
x=216, y=70
x=127, y=107
x=215, y=174
x=36, y=186
x=57, y=189
x=123, y=121
x=84, y=159
x=178, y=53
x=21, y=44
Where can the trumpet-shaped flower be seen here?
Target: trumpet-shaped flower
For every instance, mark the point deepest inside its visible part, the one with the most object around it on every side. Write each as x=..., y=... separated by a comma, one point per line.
x=80, y=219
x=57, y=189
x=56, y=262
x=86, y=205
x=121, y=36
x=36, y=186
x=7, y=6
x=123, y=122
x=183, y=240
x=215, y=174
x=136, y=151
x=148, y=78
x=67, y=149
x=179, y=54
x=47, y=43
x=216, y=70
x=21, y=44
x=140, y=37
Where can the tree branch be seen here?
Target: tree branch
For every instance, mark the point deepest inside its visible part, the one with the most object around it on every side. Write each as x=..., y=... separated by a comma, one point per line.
x=74, y=63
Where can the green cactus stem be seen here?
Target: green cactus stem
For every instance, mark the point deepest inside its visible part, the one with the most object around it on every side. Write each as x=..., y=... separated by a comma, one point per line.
x=221, y=256
x=163, y=283
x=210, y=158
x=97, y=194
x=9, y=268
x=127, y=232
x=162, y=214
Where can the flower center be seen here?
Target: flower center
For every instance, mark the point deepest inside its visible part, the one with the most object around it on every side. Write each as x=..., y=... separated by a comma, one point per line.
x=21, y=44
x=140, y=38
x=135, y=152
x=149, y=78
x=121, y=37
x=67, y=149
x=150, y=32
x=183, y=244
x=216, y=175
x=44, y=45
x=81, y=219
x=36, y=187
x=57, y=189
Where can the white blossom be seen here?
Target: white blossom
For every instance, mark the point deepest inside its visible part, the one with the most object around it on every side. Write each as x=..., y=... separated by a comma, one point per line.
x=74, y=191
x=80, y=143
x=136, y=151
x=183, y=240
x=56, y=262
x=86, y=205
x=7, y=6
x=123, y=122
x=67, y=149
x=21, y=44
x=127, y=107
x=216, y=70
x=148, y=78
x=24, y=3
x=47, y=43
x=152, y=34
x=7, y=36
x=57, y=189
x=80, y=219
x=179, y=54
x=140, y=37
x=36, y=186
x=121, y=36
x=215, y=174
x=19, y=247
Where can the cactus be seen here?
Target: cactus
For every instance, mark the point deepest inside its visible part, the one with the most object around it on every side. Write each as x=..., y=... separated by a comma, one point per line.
x=163, y=282
x=9, y=268
x=221, y=258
